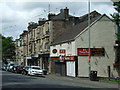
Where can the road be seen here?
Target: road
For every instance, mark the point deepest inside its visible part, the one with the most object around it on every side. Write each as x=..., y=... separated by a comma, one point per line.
x=13, y=80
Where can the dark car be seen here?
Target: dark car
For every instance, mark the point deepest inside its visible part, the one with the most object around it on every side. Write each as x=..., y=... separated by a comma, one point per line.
x=18, y=69
x=25, y=70
x=14, y=68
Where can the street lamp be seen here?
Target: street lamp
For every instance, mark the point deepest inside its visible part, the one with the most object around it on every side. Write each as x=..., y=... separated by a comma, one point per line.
x=89, y=36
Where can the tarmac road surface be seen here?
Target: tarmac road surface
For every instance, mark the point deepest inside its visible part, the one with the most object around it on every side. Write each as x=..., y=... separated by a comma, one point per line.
x=15, y=81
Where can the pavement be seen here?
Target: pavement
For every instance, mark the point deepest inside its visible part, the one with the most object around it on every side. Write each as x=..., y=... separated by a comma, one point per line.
x=85, y=81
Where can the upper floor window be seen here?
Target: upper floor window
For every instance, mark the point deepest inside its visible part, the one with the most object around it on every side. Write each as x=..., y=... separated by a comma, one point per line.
x=47, y=46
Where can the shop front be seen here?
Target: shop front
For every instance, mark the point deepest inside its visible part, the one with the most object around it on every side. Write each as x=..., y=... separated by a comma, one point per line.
x=32, y=60
x=60, y=68
x=44, y=61
x=71, y=65
x=52, y=64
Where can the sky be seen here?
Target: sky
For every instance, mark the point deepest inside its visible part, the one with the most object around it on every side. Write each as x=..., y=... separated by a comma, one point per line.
x=15, y=15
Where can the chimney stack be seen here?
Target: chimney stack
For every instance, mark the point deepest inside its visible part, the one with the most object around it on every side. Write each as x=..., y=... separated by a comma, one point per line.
x=50, y=16
x=66, y=12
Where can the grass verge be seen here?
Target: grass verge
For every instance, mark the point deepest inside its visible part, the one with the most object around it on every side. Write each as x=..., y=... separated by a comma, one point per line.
x=111, y=79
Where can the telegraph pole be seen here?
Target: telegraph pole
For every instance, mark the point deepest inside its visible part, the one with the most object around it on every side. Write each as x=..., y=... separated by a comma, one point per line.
x=89, y=36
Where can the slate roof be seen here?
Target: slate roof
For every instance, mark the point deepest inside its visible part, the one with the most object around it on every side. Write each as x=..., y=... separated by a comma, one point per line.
x=71, y=33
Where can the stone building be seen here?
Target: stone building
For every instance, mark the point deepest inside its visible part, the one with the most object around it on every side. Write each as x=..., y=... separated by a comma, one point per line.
x=40, y=35
x=69, y=52
x=44, y=32
x=17, y=51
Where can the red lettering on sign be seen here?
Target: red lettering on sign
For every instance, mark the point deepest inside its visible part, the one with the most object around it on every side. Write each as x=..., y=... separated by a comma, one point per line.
x=83, y=51
x=71, y=58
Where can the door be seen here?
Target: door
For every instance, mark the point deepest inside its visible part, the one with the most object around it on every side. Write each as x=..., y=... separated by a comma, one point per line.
x=70, y=68
x=63, y=69
x=57, y=68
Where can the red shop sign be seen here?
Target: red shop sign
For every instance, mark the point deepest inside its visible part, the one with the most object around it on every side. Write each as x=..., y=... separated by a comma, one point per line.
x=83, y=51
x=62, y=50
x=68, y=58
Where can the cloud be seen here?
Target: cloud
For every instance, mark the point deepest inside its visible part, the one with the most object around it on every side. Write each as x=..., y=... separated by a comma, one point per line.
x=21, y=13
x=103, y=7
x=26, y=6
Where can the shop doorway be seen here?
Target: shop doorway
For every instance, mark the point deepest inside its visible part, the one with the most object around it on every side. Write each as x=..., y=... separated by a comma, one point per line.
x=60, y=68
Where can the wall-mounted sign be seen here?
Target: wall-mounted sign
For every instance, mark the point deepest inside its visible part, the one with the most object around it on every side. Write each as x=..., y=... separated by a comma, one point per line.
x=83, y=52
x=93, y=51
x=68, y=58
x=62, y=51
x=54, y=51
x=97, y=51
x=54, y=58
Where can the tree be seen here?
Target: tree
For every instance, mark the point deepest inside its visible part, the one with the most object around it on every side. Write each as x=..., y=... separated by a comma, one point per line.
x=116, y=17
x=8, y=49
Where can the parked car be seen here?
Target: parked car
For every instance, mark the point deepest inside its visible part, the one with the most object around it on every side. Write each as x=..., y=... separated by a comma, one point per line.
x=35, y=70
x=7, y=68
x=4, y=67
x=25, y=70
x=14, y=68
x=18, y=69
x=10, y=67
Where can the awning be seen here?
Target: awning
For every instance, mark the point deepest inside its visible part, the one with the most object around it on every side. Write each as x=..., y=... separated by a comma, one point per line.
x=28, y=57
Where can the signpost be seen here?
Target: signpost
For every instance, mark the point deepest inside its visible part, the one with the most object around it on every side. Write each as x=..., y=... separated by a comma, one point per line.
x=89, y=34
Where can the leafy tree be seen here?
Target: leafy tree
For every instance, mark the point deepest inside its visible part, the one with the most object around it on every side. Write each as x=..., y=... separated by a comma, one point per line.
x=116, y=17
x=8, y=49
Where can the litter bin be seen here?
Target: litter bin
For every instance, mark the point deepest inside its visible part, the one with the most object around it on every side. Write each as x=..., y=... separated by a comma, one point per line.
x=93, y=76
x=45, y=72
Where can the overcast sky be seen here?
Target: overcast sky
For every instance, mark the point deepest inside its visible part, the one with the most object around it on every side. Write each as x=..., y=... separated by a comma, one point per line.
x=17, y=15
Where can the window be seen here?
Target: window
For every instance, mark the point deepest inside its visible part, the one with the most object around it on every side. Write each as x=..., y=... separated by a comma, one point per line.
x=47, y=45
x=38, y=68
x=39, y=32
x=47, y=32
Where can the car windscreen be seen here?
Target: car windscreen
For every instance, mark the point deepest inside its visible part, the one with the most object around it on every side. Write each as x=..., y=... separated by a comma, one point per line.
x=27, y=68
x=38, y=68
x=11, y=64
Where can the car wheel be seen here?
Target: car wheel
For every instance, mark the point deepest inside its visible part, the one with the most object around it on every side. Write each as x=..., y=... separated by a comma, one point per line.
x=28, y=74
x=22, y=72
x=25, y=73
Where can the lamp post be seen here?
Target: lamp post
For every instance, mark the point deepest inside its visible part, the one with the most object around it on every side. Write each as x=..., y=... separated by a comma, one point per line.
x=89, y=36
